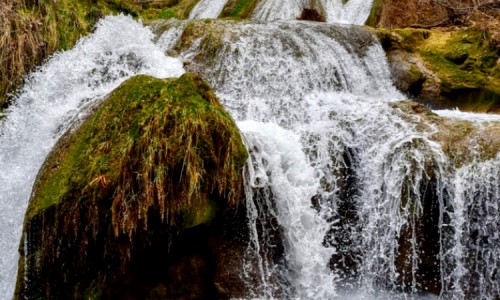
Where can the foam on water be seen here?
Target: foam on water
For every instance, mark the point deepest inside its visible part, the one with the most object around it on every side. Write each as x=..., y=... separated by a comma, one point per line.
x=468, y=116
x=55, y=96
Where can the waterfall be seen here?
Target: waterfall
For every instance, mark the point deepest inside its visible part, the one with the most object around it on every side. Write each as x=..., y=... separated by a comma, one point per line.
x=207, y=9
x=475, y=255
x=380, y=195
x=364, y=199
x=335, y=11
x=54, y=96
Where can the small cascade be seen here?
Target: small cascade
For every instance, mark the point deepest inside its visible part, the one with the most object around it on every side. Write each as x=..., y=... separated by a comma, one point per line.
x=271, y=10
x=254, y=59
x=171, y=33
x=471, y=265
x=207, y=9
x=54, y=97
x=350, y=12
x=335, y=11
x=285, y=180
x=381, y=192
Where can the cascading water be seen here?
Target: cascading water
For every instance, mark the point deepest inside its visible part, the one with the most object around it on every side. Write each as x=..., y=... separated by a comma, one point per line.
x=207, y=9
x=359, y=194
x=475, y=259
x=381, y=197
x=335, y=11
x=55, y=96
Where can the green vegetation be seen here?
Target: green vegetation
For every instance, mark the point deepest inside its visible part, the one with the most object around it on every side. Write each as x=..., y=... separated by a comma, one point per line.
x=467, y=65
x=158, y=161
x=153, y=142
x=375, y=12
x=238, y=9
x=178, y=9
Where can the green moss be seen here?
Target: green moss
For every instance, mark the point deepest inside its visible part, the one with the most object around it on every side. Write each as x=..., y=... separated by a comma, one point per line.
x=172, y=9
x=157, y=143
x=465, y=62
x=239, y=9
x=467, y=66
x=411, y=38
x=375, y=12
x=189, y=218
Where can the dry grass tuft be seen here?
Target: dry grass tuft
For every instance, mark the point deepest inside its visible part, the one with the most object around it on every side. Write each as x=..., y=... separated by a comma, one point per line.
x=31, y=30
x=22, y=45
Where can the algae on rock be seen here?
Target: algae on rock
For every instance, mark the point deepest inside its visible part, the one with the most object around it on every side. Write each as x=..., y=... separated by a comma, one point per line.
x=158, y=159
x=446, y=68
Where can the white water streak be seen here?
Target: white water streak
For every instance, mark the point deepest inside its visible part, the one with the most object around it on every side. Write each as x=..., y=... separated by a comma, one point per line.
x=468, y=116
x=353, y=12
x=281, y=165
x=319, y=83
x=207, y=9
x=53, y=97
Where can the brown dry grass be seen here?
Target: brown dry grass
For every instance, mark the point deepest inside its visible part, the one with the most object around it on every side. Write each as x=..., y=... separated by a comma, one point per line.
x=22, y=45
x=404, y=13
x=431, y=13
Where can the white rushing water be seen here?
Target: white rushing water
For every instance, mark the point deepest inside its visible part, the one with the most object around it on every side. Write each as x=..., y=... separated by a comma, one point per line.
x=53, y=97
x=281, y=166
x=468, y=116
x=382, y=191
x=475, y=259
x=207, y=9
x=335, y=11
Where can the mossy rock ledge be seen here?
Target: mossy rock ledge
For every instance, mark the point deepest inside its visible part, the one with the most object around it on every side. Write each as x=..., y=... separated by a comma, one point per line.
x=446, y=68
x=141, y=201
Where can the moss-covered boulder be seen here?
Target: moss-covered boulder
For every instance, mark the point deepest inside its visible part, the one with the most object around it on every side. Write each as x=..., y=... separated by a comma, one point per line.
x=134, y=203
x=446, y=68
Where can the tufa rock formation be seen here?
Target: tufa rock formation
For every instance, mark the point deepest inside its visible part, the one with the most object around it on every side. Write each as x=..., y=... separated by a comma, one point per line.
x=140, y=202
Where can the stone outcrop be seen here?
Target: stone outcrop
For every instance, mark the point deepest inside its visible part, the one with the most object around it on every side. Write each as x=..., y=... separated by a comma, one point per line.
x=446, y=68
x=140, y=202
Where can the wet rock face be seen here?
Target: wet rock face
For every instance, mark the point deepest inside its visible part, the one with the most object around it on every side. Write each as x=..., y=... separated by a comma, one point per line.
x=311, y=15
x=445, y=68
x=143, y=201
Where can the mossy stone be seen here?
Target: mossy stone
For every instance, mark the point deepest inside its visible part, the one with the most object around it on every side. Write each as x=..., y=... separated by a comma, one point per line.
x=463, y=64
x=158, y=157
